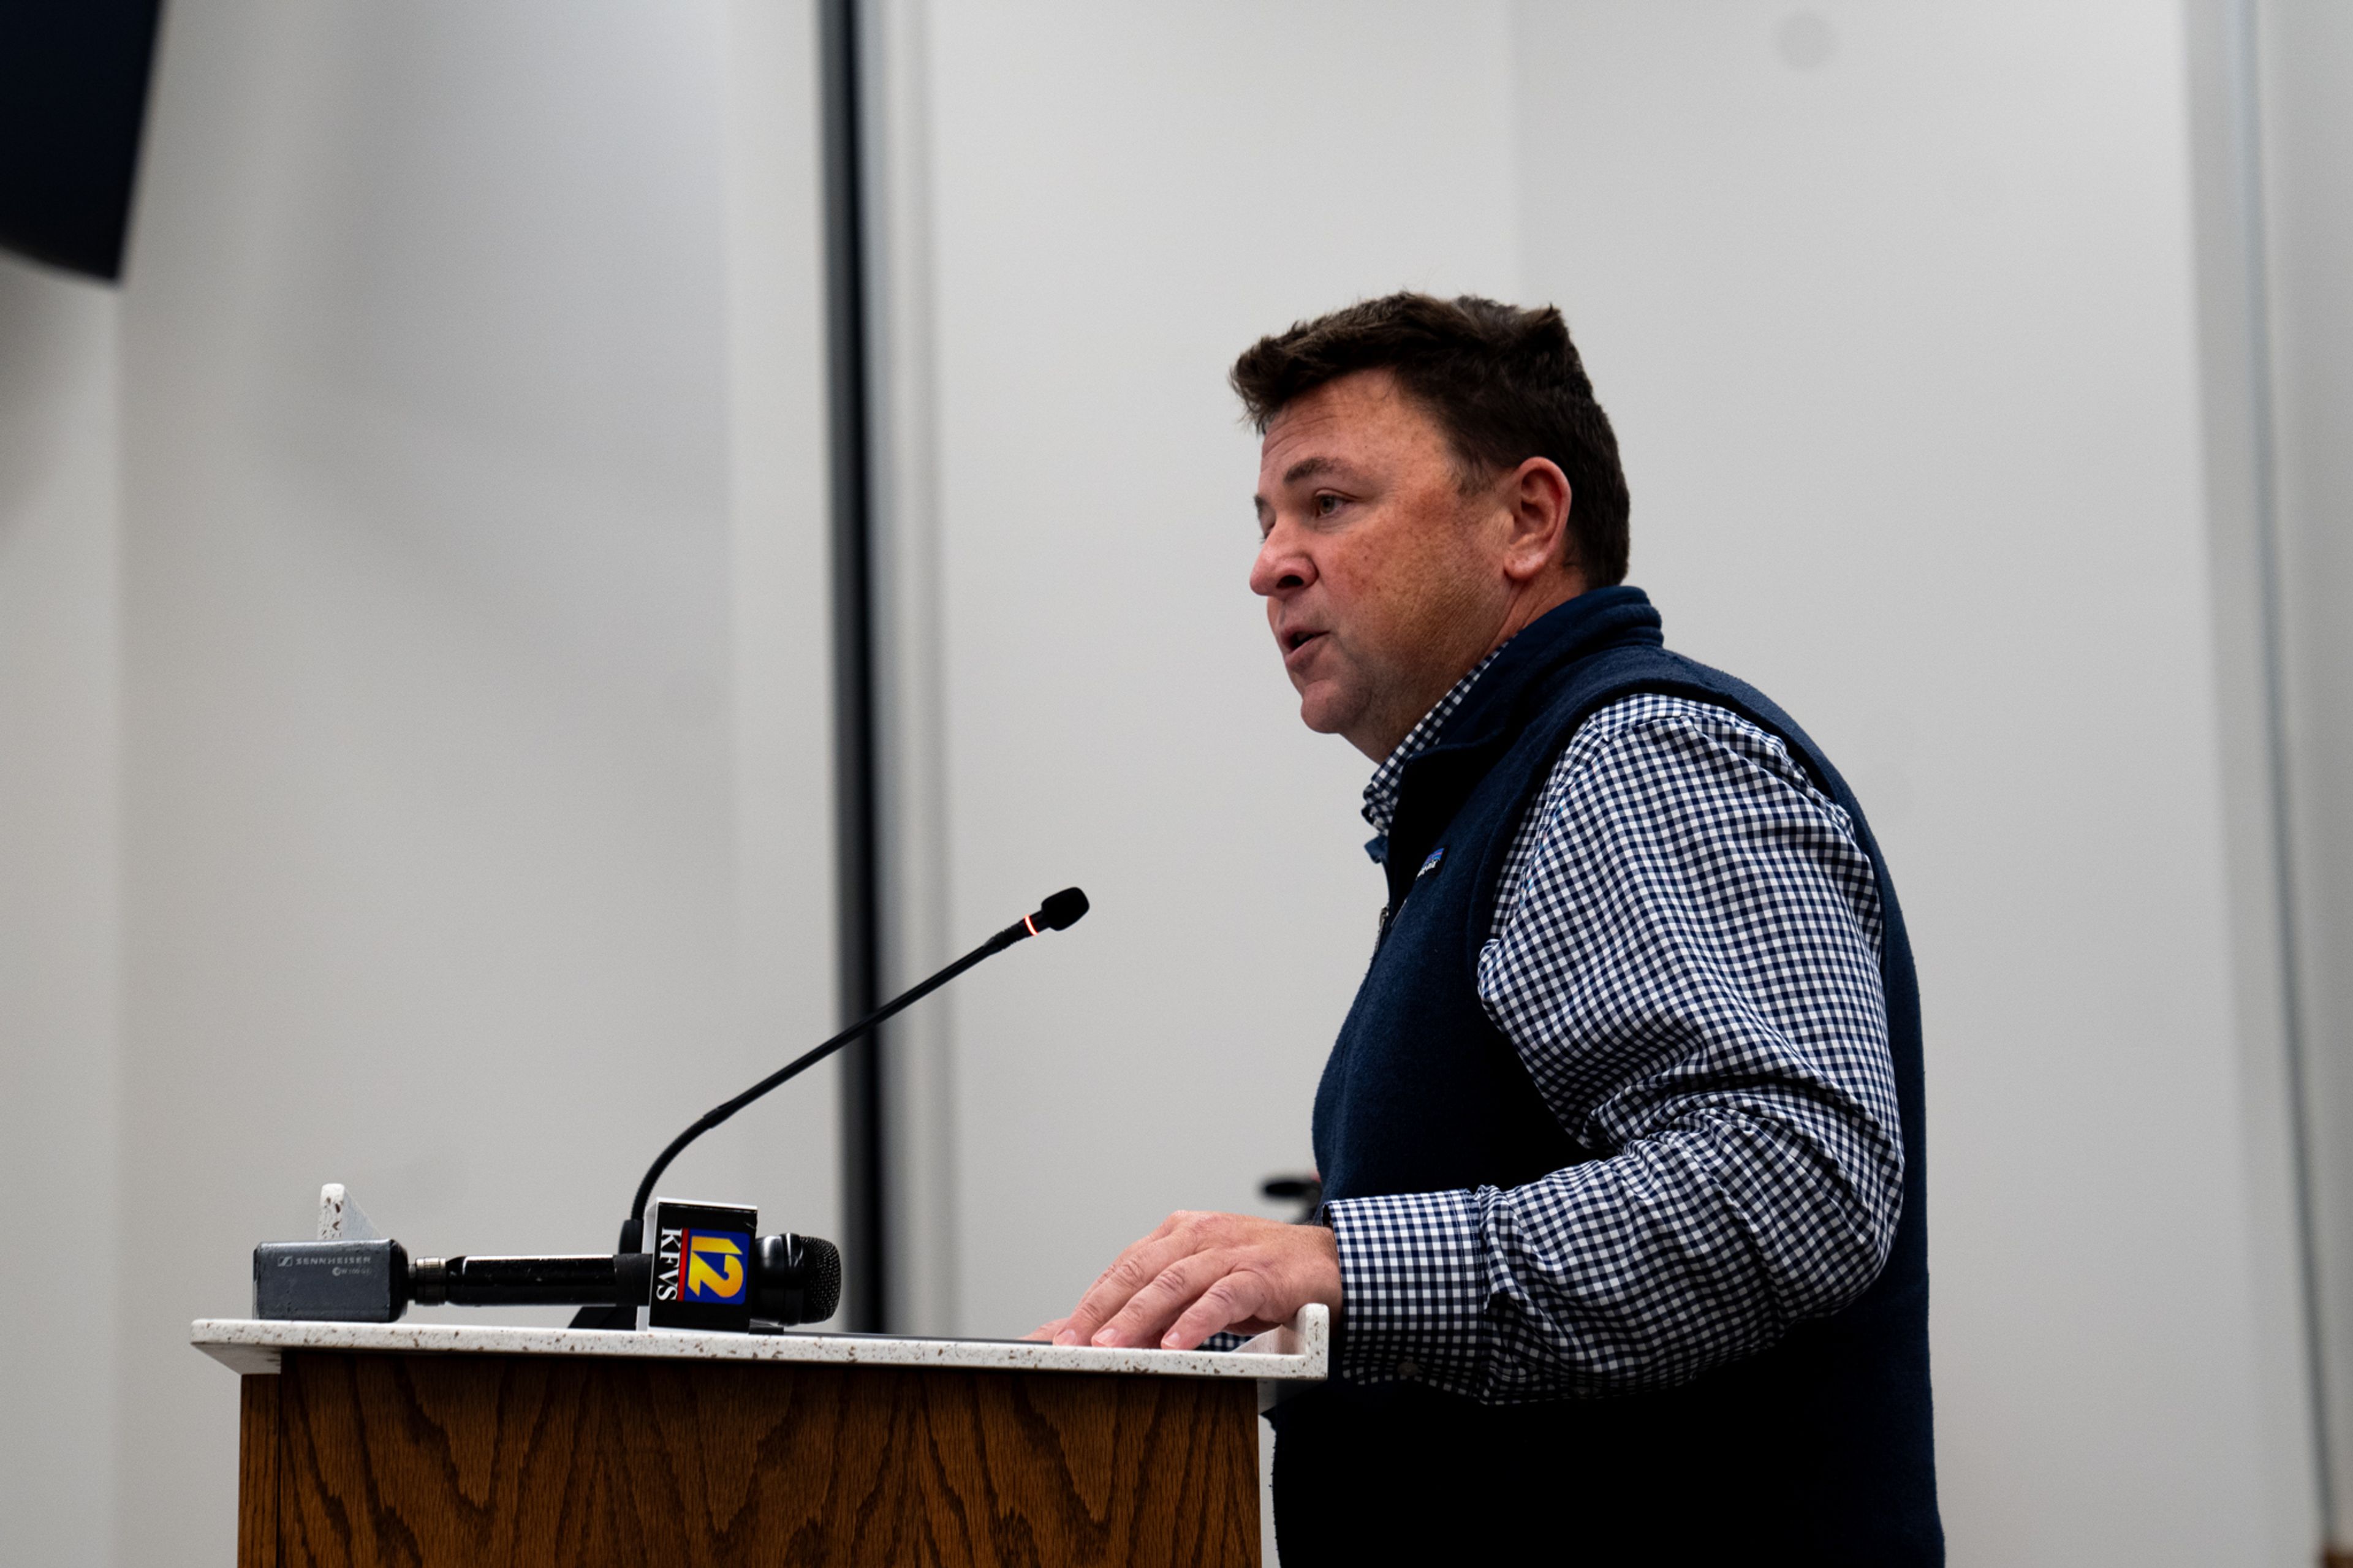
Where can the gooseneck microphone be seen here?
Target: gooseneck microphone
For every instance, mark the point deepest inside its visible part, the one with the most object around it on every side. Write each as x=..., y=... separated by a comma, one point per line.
x=1059, y=912
x=709, y=1269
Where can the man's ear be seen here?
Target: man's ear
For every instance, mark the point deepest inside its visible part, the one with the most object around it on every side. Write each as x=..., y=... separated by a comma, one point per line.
x=1537, y=497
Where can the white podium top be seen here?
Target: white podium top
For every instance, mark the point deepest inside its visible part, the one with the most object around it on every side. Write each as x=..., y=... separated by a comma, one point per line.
x=1299, y=1352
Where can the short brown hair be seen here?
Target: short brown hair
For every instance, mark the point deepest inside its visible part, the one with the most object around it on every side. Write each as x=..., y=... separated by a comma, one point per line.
x=1504, y=384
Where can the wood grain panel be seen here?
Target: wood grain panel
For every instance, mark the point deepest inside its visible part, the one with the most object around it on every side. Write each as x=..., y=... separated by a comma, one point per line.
x=521, y=1461
x=257, y=1466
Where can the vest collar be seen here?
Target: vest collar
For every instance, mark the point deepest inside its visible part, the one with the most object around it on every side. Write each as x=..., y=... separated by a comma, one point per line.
x=1475, y=735
x=1604, y=618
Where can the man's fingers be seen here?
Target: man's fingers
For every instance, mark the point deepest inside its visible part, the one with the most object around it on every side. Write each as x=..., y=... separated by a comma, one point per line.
x=1152, y=1309
x=1240, y=1299
x=1130, y=1272
x=1198, y=1273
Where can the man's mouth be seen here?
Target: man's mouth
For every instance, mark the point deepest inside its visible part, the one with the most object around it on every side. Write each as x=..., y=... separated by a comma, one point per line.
x=1296, y=640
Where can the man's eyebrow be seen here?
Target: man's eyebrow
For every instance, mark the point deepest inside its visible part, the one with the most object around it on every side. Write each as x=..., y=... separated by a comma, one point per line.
x=1311, y=469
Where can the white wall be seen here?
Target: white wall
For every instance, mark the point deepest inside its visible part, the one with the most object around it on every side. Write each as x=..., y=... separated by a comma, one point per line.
x=2232, y=365
x=57, y=917
x=1897, y=313
x=2305, y=62
x=477, y=831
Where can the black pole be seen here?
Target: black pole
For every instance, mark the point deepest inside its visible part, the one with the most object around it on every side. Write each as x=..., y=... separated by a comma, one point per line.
x=866, y=1239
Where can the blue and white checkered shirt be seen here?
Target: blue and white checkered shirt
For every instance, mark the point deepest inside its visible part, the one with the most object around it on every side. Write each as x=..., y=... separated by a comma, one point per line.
x=1685, y=953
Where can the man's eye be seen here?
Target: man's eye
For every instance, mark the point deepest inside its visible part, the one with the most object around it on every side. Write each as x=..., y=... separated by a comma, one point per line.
x=1326, y=504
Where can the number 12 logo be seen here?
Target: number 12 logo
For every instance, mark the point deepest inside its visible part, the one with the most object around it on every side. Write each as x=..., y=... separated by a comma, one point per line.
x=715, y=1265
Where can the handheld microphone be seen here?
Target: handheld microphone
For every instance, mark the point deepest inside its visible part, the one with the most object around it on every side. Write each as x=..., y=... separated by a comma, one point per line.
x=791, y=1279
x=1059, y=912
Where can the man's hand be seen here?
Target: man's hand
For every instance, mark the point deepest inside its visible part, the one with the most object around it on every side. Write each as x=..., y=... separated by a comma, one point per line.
x=1201, y=1273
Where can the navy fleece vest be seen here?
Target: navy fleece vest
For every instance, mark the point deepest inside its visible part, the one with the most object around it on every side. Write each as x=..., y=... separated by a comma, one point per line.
x=1816, y=1449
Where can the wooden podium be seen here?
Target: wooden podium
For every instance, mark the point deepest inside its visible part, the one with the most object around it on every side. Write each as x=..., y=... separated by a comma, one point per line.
x=432, y=1443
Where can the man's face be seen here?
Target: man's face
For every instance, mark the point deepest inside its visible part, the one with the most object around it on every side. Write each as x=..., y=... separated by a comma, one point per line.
x=1382, y=579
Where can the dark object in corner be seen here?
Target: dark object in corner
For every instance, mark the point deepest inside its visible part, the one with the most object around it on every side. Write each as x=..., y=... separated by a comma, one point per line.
x=73, y=95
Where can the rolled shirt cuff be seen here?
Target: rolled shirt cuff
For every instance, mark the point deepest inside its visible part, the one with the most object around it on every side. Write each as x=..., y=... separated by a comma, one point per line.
x=1413, y=1287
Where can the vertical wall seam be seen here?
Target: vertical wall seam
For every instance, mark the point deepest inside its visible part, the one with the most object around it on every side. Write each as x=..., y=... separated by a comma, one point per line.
x=2245, y=85
x=865, y=1242
x=915, y=917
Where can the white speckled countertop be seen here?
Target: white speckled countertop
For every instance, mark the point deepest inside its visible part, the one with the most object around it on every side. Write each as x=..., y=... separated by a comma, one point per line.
x=1300, y=1353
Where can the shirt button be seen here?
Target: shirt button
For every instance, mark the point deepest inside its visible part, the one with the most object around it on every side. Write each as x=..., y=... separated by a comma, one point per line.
x=1409, y=1369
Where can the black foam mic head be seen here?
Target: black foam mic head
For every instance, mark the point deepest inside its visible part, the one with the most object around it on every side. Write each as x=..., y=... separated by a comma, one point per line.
x=824, y=1285
x=1061, y=911
x=796, y=1278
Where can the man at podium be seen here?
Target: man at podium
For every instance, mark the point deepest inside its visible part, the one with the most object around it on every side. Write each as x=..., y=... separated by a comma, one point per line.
x=1623, y=1228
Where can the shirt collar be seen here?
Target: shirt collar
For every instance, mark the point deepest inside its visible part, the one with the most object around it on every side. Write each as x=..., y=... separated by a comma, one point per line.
x=1381, y=793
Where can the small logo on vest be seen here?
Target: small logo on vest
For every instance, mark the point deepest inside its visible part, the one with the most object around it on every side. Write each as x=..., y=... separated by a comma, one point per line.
x=1431, y=864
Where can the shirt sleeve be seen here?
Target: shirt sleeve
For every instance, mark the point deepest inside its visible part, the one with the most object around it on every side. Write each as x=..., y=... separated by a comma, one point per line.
x=1687, y=960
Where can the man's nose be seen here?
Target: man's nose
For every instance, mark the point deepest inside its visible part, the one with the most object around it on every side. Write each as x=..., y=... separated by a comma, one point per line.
x=1281, y=567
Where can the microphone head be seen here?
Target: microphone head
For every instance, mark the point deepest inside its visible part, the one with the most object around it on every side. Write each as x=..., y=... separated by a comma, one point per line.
x=796, y=1278
x=824, y=1287
x=1061, y=911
